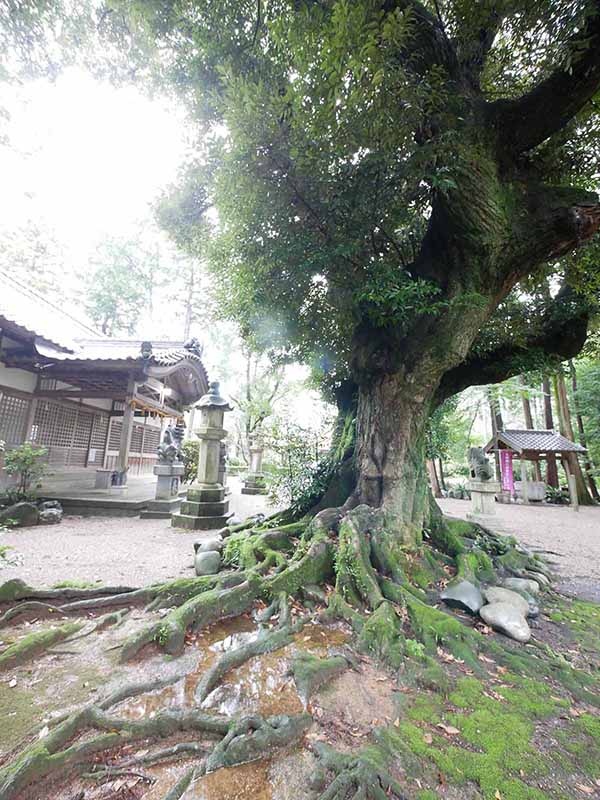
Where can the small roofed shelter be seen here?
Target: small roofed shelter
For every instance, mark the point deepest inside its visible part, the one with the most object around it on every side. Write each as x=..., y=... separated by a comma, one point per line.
x=92, y=401
x=534, y=446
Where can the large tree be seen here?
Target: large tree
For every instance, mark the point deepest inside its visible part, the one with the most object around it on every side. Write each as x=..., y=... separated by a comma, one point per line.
x=397, y=185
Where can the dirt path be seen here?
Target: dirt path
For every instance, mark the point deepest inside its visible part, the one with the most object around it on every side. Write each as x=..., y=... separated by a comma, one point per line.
x=110, y=550
x=570, y=541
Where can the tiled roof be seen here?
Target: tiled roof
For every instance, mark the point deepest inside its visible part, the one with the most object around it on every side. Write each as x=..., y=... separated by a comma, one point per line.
x=542, y=441
x=164, y=353
x=37, y=316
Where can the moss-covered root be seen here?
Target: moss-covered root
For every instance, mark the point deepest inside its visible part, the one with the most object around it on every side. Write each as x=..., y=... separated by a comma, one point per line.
x=382, y=636
x=311, y=672
x=182, y=785
x=16, y=589
x=35, y=643
x=267, y=642
x=252, y=738
x=356, y=579
x=199, y=611
x=58, y=750
x=363, y=776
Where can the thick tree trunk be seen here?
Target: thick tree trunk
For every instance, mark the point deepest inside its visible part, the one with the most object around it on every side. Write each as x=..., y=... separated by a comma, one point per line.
x=551, y=468
x=390, y=451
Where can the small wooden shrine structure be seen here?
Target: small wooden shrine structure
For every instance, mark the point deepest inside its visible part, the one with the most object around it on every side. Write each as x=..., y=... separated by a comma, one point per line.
x=534, y=446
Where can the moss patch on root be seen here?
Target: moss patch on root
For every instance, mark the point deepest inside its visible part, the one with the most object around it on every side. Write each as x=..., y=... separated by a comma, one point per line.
x=35, y=643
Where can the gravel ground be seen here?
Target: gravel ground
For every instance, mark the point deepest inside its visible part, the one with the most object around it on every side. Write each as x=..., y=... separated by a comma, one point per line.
x=136, y=552
x=125, y=551
x=570, y=541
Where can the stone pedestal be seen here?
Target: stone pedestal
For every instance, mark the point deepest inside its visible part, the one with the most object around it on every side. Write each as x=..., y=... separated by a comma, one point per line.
x=205, y=507
x=167, y=500
x=255, y=481
x=483, y=500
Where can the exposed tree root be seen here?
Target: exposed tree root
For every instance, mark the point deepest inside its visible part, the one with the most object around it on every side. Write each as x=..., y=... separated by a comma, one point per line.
x=384, y=589
x=242, y=740
x=356, y=777
x=35, y=643
x=311, y=672
x=267, y=642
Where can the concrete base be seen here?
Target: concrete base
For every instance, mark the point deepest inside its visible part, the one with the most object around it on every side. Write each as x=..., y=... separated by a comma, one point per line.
x=161, y=509
x=254, y=490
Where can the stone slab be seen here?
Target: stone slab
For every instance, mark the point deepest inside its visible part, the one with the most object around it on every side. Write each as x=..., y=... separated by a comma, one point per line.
x=201, y=495
x=190, y=523
x=254, y=490
x=193, y=509
x=176, y=470
x=160, y=509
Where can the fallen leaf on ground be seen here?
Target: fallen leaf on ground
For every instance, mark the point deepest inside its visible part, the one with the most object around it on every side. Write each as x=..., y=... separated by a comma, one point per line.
x=428, y=738
x=584, y=789
x=449, y=729
x=497, y=794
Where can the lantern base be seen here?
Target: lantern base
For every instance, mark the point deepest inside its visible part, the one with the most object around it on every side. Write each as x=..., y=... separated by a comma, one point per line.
x=254, y=484
x=204, y=509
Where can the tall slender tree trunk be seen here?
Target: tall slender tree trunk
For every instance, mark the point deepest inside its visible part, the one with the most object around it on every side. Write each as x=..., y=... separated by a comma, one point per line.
x=551, y=468
x=497, y=425
x=433, y=478
x=441, y=474
x=566, y=429
x=537, y=472
x=581, y=432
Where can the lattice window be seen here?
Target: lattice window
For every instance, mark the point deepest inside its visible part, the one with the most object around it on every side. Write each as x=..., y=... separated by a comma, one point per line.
x=151, y=440
x=115, y=434
x=83, y=429
x=13, y=418
x=55, y=424
x=99, y=432
x=136, y=438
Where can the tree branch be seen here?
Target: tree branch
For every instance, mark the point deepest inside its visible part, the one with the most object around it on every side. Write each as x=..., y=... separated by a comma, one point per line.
x=429, y=44
x=546, y=109
x=562, y=335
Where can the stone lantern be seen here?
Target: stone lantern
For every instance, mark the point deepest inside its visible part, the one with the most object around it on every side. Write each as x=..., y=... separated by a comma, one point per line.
x=206, y=507
x=255, y=481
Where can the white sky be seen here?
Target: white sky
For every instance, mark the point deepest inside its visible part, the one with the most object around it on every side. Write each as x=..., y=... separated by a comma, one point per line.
x=85, y=158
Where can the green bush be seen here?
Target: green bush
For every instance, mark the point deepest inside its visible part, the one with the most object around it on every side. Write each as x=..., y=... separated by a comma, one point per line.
x=189, y=456
x=28, y=463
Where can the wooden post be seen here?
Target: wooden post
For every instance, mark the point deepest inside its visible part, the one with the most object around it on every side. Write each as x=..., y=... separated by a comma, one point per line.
x=126, y=431
x=572, y=484
x=524, y=487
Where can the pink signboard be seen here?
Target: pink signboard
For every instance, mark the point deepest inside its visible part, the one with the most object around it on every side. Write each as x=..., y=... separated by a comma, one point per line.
x=506, y=469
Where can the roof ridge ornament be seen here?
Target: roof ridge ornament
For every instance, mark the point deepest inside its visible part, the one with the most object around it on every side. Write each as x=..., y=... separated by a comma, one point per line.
x=194, y=346
x=146, y=350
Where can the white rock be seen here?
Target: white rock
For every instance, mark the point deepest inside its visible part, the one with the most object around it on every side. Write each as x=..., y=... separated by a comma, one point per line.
x=507, y=619
x=522, y=584
x=207, y=563
x=497, y=594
